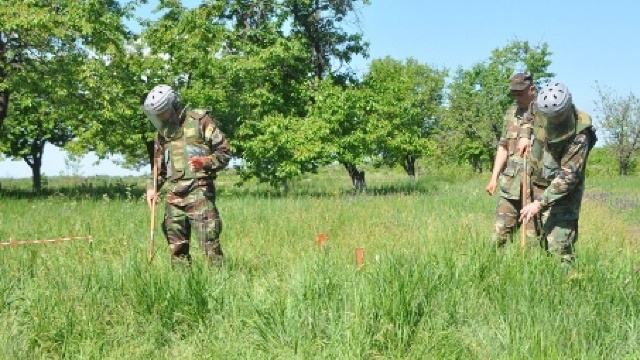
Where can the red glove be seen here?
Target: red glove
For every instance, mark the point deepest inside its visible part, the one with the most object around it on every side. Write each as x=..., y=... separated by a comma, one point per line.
x=196, y=163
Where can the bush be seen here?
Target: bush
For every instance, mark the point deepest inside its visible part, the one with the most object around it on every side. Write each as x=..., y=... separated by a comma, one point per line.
x=603, y=162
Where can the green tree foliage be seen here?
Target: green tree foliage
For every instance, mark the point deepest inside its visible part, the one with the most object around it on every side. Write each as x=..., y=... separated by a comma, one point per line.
x=253, y=63
x=345, y=109
x=321, y=25
x=621, y=126
x=44, y=47
x=39, y=113
x=406, y=100
x=471, y=124
x=112, y=122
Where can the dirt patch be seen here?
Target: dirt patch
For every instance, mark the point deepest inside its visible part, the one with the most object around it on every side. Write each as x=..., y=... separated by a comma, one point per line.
x=615, y=201
x=633, y=232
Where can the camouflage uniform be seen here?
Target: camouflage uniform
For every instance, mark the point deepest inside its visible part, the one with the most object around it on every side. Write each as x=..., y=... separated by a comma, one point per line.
x=510, y=184
x=558, y=176
x=190, y=203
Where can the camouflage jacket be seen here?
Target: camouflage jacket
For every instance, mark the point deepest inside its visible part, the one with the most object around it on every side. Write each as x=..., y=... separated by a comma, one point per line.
x=198, y=131
x=562, y=172
x=511, y=176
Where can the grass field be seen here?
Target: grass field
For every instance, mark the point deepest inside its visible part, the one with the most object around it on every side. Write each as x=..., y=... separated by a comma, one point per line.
x=430, y=288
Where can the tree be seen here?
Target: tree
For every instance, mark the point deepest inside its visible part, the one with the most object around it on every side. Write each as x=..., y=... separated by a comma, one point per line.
x=320, y=24
x=43, y=48
x=112, y=122
x=345, y=109
x=621, y=125
x=276, y=135
x=252, y=63
x=407, y=98
x=471, y=123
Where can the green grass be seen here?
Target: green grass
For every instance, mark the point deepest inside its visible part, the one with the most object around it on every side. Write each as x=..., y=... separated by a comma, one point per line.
x=430, y=288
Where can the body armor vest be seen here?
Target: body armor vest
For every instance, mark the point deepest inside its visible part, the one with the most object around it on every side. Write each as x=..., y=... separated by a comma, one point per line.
x=545, y=160
x=190, y=144
x=511, y=176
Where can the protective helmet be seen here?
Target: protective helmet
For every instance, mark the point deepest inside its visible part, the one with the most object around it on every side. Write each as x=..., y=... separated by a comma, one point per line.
x=159, y=99
x=554, y=99
x=160, y=108
x=555, y=115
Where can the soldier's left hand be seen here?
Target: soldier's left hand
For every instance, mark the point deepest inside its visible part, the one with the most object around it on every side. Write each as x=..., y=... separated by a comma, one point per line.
x=196, y=163
x=529, y=211
x=491, y=187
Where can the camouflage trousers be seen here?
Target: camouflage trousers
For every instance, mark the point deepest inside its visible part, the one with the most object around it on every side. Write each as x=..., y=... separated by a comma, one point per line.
x=549, y=230
x=559, y=229
x=194, y=212
x=559, y=236
x=506, y=224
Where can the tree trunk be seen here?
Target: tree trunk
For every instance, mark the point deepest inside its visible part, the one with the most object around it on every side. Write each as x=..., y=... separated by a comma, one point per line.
x=623, y=166
x=4, y=94
x=409, y=165
x=149, y=145
x=34, y=160
x=36, y=175
x=4, y=106
x=476, y=164
x=357, y=177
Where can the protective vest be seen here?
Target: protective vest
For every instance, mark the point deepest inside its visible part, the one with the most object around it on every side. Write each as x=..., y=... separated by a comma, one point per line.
x=512, y=127
x=545, y=161
x=511, y=176
x=191, y=143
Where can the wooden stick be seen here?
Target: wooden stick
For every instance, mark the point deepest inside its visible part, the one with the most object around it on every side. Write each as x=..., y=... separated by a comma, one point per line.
x=46, y=241
x=525, y=195
x=152, y=227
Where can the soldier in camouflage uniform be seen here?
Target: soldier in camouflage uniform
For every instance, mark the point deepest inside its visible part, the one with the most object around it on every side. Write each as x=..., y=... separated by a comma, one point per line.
x=189, y=149
x=563, y=138
x=509, y=178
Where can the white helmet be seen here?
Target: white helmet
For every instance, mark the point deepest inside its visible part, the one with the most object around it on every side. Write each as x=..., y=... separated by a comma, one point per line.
x=556, y=113
x=159, y=106
x=553, y=99
x=159, y=99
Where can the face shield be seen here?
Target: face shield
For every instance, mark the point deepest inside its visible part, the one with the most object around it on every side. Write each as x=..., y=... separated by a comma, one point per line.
x=558, y=128
x=161, y=120
x=160, y=106
x=167, y=122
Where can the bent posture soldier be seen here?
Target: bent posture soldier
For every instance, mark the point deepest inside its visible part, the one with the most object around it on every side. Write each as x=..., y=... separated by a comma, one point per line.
x=189, y=148
x=563, y=138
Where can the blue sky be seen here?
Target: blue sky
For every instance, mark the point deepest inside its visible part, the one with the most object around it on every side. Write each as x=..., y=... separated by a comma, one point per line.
x=592, y=41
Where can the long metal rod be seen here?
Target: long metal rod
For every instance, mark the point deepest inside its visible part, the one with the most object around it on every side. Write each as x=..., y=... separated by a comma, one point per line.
x=46, y=241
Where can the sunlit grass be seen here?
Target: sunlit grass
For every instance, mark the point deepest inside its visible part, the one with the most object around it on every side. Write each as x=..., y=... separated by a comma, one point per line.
x=430, y=288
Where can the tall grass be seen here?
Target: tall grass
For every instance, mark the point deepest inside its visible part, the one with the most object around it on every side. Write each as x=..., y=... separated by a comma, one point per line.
x=430, y=288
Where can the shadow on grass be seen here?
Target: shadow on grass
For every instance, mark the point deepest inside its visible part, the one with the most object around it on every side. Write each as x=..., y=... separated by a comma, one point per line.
x=98, y=189
x=131, y=189
x=299, y=190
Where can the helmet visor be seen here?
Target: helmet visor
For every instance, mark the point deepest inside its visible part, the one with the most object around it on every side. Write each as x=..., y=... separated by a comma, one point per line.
x=162, y=120
x=559, y=127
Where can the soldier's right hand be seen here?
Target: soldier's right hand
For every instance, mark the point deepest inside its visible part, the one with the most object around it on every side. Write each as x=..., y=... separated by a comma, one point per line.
x=152, y=197
x=491, y=187
x=524, y=145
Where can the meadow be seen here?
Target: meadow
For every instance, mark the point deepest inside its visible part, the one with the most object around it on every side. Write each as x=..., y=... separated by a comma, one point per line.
x=430, y=287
